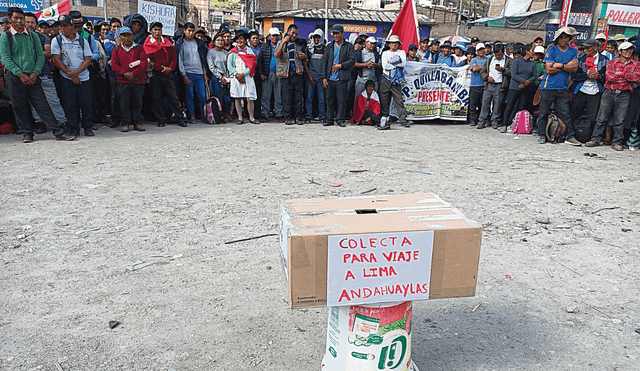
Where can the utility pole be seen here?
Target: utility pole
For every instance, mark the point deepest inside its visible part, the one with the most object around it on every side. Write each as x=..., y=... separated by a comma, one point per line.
x=459, y=18
x=105, y=11
x=326, y=20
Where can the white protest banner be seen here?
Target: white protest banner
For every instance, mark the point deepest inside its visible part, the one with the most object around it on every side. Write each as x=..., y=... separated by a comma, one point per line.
x=154, y=12
x=436, y=91
x=379, y=267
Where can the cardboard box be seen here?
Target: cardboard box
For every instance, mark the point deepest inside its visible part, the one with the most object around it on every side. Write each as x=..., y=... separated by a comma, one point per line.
x=363, y=250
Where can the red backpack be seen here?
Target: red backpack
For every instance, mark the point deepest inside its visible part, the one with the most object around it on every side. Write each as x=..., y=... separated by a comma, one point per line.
x=521, y=123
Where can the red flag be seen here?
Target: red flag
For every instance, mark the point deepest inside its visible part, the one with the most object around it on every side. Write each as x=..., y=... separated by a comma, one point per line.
x=406, y=25
x=564, y=14
x=53, y=12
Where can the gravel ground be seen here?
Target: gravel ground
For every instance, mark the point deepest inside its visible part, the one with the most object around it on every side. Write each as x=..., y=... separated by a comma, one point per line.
x=558, y=282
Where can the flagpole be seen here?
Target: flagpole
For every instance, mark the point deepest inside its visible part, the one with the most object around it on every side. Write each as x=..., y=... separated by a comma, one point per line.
x=459, y=18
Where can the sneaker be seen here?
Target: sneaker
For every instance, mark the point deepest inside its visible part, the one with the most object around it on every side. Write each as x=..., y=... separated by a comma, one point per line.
x=27, y=138
x=138, y=127
x=480, y=126
x=302, y=121
x=74, y=132
x=264, y=119
x=542, y=139
x=407, y=124
x=65, y=137
x=307, y=121
x=327, y=123
x=573, y=142
x=592, y=143
x=279, y=120
x=617, y=147
x=124, y=128
x=88, y=132
x=342, y=124
x=289, y=121
x=503, y=129
x=380, y=127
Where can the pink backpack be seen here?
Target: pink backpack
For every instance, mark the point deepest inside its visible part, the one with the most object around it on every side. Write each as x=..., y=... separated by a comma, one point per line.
x=213, y=111
x=521, y=123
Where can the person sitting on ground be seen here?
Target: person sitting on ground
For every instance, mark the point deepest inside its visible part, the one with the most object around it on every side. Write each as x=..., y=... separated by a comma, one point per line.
x=366, y=110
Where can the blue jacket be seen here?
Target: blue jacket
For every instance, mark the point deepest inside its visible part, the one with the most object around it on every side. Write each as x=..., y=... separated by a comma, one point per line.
x=580, y=76
x=449, y=60
x=202, y=51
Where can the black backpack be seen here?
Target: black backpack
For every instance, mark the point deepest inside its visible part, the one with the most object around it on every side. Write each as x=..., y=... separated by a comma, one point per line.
x=33, y=40
x=583, y=128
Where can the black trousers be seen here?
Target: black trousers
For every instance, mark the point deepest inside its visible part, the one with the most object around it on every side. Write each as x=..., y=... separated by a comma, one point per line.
x=21, y=96
x=517, y=100
x=582, y=101
x=475, y=103
x=130, y=98
x=375, y=119
x=163, y=87
x=293, y=97
x=337, y=92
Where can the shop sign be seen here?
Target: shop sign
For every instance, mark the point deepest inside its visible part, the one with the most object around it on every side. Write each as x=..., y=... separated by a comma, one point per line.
x=623, y=15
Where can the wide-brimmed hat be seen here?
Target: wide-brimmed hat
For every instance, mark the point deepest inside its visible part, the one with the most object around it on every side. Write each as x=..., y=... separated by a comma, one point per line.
x=242, y=33
x=394, y=39
x=461, y=46
x=564, y=30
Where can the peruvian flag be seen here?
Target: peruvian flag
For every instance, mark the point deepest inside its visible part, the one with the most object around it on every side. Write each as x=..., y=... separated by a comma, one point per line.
x=53, y=12
x=406, y=25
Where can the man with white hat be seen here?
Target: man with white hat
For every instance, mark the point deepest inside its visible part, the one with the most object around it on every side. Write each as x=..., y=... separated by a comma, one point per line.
x=368, y=65
x=602, y=40
x=271, y=84
x=393, y=62
x=622, y=73
x=315, y=52
x=559, y=62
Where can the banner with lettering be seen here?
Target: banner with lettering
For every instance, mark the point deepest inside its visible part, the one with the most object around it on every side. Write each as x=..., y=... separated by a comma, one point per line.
x=623, y=15
x=436, y=91
x=26, y=5
x=154, y=12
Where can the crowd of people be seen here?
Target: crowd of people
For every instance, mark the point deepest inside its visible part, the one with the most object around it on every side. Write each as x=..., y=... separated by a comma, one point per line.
x=70, y=75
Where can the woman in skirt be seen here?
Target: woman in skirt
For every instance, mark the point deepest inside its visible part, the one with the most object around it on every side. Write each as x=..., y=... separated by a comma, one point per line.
x=241, y=64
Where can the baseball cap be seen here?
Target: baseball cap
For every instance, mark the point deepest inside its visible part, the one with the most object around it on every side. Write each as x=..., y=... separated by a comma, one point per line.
x=619, y=37
x=4, y=20
x=480, y=46
x=474, y=39
x=124, y=29
x=372, y=39
x=539, y=50
x=471, y=49
x=424, y=39
x=435, y=41
x=625, y=45
x=43, y=22
x=591, y=43
x=600, y=36
x=412, y=46
x=337, y=28
x=155, y=24
x=274, y=31
x=538, y=37
x=65, y=20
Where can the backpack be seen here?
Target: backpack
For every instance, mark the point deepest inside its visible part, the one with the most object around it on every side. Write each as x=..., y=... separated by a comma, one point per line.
x=521, y=123
x=33, y=40
x=556, y=130
x=213, y=111
x=583, y=128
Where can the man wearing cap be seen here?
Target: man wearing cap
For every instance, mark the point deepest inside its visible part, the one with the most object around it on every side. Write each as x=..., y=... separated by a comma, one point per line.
x=367, y=65
x=336, y=73
x=315, y=53
x=192, y=64
x=129, y=62
x=602, y=40
x=459, y=57
x=445, y=56
x=475, y=41
x=44, y=28
x=72, y=56
x=621, y=75
x=271, y=84
x=619, y=39
x=393, y=63
x=23, y=62
x=538, y=41
x=476, y=87
x=432, y=55
x=5, y=25
x=46, y=76
x=424, y=48
x=559, y=62
x=161, y=52
x=290, y=67
x=588, y=84
x=495, y=73
x=412, y=53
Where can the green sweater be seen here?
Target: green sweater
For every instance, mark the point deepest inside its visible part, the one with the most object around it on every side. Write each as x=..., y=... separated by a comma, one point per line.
x=22, y=59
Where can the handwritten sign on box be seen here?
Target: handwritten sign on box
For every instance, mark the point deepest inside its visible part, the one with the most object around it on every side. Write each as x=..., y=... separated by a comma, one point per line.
x=154, y=12
x=378, y=267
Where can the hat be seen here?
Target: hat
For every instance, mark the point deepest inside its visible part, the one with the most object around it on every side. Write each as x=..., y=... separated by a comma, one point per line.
x=474, y=39
x=359, y=41
x=4, y=20
x=65, y=20
x=154, y=24
x=591, y=43
x=446, y=44
x=124, y=29
x=412, y=46
x=625, y=45
x=538, y=37
x=619, y=37
x=200, y=29
x=337, y=28
x=601, y=36
x=461, y=46
x=538, y=50
x=434, y=41
x=573, y=31
x=424, y=39
x=370, y=82
x=76, y=17
x=394, y=39
x=43, y=22
x=372, y=40
x=362, y=33
x=471, y=49
x=480, y=46
x=241, y=32
x=274, y=31
x=563, y=30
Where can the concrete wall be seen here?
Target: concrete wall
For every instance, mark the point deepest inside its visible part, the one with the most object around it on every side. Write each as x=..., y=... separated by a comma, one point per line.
x=487, y=33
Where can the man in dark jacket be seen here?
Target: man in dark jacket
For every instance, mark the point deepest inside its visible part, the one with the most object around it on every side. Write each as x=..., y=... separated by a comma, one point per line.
x=336, y=73
x=266, y=69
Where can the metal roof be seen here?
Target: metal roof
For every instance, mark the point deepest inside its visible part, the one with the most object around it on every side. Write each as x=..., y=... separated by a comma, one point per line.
x=381, y=16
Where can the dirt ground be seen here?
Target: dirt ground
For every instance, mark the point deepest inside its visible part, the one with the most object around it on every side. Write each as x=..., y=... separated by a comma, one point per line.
x=74, y=216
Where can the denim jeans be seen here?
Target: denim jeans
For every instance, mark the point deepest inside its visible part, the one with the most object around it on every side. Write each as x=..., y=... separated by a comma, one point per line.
x=76, y=98
x=475, y=103
x=272, y=87
x=616, y=102
x=337, y=93
x=196, y=81
x=318, y=88
x=222, y=93
x=493, y=93
x=51, y=94
x=561, y=100
x=21, y=96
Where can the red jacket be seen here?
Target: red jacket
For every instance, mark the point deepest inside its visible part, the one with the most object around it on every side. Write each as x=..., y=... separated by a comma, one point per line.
x=361, y=104
x=120, y=60
x=161, y=54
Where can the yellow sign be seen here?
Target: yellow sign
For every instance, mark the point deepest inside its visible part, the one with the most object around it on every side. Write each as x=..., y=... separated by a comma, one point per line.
x=359, y=28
